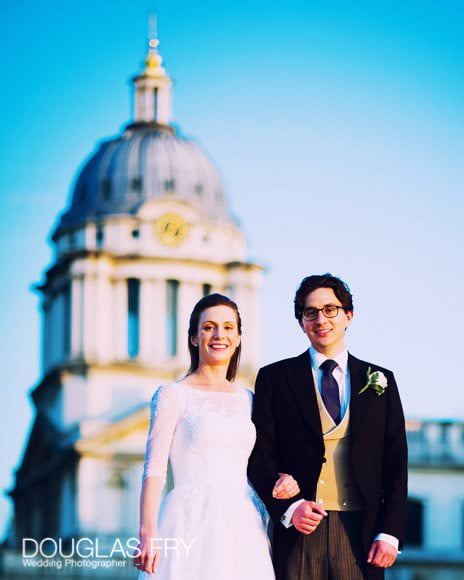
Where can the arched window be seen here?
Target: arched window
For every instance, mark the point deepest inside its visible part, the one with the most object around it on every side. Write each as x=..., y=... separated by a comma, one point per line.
x=105, y=187
x=99, y=235
x=172, y=315
x=155, y=104
x=133, y=317
x=462, y=522
x=414, y=536
x=137, y=184
x=169, y=185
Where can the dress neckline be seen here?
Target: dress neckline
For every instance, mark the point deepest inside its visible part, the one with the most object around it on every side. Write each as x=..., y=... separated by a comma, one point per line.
x=192, y=388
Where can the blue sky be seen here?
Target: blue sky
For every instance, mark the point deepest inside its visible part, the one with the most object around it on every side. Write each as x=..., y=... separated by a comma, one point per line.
x=338, y=128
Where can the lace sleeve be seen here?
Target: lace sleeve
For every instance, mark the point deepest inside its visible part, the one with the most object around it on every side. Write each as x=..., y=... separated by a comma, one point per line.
x=166, y=406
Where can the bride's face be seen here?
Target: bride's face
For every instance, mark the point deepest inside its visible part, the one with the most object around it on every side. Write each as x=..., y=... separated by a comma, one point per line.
x=217, y=337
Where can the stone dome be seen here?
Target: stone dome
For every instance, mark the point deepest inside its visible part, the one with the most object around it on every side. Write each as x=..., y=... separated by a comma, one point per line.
x=148, y=160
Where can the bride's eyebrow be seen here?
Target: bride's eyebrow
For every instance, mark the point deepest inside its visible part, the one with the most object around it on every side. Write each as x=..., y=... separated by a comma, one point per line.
x=213, y=322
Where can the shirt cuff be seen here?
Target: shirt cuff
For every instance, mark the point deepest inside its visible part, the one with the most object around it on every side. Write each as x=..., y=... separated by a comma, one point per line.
x=384, y=538
x=286, y=518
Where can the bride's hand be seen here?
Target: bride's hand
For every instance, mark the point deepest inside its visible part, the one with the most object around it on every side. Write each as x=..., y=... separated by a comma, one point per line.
x=285, y=487
x=148, y=554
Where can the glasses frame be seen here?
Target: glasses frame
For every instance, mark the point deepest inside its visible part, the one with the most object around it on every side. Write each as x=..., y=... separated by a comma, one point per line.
x=317, y=310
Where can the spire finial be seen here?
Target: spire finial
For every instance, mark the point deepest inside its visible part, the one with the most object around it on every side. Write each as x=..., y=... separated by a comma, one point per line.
x=153, y=60
x=152, y=28
x=152, y=85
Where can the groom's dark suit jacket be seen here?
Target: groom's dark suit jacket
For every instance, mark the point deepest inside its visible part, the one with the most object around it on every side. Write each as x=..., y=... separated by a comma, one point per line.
x=289, y=440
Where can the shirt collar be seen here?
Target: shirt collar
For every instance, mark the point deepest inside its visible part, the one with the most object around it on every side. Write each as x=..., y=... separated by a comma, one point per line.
x=317, y=358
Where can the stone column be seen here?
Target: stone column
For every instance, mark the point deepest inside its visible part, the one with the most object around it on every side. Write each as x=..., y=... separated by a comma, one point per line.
x=147, y=323
x=158, y=297
x=76, y=317
x=189, y=294
x=104, y=321
x=245, y=283
x=89, y=314
x=87, y=494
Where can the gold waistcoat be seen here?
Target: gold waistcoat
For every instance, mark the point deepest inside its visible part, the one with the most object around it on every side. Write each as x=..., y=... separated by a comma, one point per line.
x=337, y=489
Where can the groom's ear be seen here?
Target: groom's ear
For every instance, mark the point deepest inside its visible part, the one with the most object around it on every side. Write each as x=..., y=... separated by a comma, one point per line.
x=349, y=314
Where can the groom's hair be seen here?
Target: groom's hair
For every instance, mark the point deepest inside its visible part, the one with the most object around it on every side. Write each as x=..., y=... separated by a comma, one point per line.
x=311, y=283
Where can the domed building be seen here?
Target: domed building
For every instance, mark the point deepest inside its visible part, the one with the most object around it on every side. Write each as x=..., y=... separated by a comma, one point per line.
x=147, y=232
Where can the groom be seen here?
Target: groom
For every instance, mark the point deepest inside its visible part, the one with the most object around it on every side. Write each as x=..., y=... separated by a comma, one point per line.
x=336, y=424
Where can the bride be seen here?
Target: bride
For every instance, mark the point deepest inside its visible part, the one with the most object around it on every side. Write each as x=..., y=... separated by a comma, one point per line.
x=211, y=524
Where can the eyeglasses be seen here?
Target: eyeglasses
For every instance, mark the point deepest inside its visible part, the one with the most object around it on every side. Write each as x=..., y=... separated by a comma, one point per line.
x=329, y=311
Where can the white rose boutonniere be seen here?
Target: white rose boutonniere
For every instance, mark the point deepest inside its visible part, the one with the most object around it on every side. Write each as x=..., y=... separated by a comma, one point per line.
x=376, y=381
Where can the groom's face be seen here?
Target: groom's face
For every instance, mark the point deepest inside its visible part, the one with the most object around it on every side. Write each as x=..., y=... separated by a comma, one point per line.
x=327, y=335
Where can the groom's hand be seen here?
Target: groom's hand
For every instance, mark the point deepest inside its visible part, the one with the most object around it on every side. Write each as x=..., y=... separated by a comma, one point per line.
x=307, y=517
x=382, y=554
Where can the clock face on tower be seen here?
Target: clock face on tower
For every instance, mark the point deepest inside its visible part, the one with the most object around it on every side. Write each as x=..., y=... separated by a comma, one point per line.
x=171, y=229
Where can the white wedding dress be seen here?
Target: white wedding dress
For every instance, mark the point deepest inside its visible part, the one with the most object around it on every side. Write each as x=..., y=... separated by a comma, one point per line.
x=211, y=523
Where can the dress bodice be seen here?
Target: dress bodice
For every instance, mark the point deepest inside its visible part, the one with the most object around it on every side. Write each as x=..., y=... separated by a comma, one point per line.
x=207, y=436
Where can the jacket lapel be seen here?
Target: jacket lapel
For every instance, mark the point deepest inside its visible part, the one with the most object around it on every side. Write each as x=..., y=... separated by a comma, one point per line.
x=358, y=403
x=301, y=383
